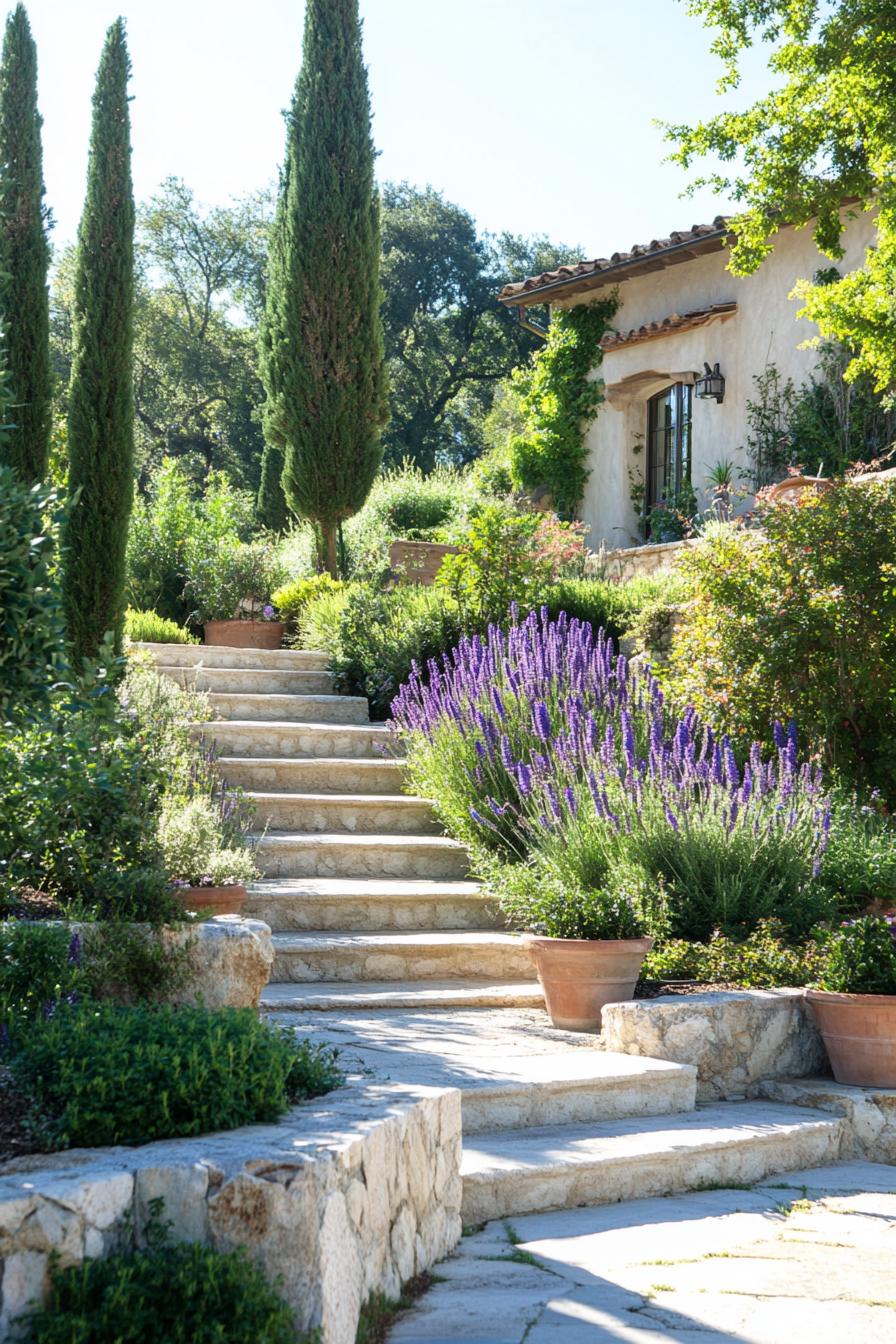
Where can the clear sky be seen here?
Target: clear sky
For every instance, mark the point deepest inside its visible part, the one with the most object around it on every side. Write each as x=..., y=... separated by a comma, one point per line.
x=536, y=115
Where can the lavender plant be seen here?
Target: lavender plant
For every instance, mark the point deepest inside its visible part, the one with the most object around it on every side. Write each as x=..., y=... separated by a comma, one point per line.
x=543, y=746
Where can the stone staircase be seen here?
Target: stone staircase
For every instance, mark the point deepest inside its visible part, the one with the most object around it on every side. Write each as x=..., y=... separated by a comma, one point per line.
x=365, y=896
x=385, y=947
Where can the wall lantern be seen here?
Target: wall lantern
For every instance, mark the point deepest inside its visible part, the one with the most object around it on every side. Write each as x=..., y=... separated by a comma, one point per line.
x=710, y=384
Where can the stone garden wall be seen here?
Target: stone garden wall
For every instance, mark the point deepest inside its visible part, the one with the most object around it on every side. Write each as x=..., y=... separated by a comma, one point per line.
x=635, y=562
x=736, y=1040
x=353, y=1193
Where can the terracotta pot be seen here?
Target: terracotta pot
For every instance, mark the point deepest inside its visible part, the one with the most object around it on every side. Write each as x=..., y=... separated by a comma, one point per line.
x=213, y=900
x=245, y=634
x=859, y=1033
x=580, y=975
x=789, y=491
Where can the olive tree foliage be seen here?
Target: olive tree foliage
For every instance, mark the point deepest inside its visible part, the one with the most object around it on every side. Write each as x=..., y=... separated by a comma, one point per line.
x=824, y=135
x=448, y=341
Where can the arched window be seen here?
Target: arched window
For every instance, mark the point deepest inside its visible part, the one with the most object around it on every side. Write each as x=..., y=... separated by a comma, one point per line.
x=668, y=445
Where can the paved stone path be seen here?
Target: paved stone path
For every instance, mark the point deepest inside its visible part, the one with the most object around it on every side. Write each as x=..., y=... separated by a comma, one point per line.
x=805, y=1257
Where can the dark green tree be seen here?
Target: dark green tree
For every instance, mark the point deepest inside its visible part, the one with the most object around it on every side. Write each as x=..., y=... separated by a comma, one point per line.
x=24, y=253
x=101, y=394
x=449, y=343
x=271, y=502
x=321, y=342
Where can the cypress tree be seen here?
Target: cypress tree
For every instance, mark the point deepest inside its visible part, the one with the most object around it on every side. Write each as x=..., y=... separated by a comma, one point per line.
x=270, y=506
x=322, y=342
x=101, y=396
x=24, y=254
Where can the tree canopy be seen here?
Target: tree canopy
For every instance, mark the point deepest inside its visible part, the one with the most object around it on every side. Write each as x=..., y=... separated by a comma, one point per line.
x=449, y=343
x=825, y=136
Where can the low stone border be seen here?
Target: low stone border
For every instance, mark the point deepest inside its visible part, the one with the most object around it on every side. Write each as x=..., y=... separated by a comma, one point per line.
x=736, y=1039
x=351, y=1194
x=870, y=1112
x=230, y=961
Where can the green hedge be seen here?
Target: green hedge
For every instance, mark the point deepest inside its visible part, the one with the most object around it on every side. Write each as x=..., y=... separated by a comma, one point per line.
x=179, y=1294
x=108, y=1074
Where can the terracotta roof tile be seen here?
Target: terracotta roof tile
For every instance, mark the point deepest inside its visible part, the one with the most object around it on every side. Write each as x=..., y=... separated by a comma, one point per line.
x=666, y=326
x=583, y=271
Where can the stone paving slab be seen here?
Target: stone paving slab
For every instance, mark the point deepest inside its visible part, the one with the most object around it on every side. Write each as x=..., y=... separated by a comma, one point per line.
x=807, y=1256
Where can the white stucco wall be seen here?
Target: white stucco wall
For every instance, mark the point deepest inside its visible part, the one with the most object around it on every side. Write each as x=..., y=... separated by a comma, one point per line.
x=763, y=331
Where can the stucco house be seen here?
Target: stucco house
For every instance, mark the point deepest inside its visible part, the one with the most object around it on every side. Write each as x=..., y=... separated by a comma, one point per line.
x=679, y=310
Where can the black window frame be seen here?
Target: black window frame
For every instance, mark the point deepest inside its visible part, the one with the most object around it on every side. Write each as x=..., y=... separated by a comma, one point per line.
x=669, y=444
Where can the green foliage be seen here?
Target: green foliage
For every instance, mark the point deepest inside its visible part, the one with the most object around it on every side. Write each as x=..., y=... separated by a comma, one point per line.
x=231, y=579
x=559, y=400
x=109, y=1074
x=824, y=134
x=31, y=630
x=292, y=598
x=798, y=622
x=534, y=900
x=37, y=967
x=448, y=344
x=374, y=638
x=403, y=504
x=194, y=849
x=858, y=867
x=147, y=627
x=79, y=794
x=101, y=396
x=271, y=502
x=862, y=958
x=196, y=381
x=321, y=339
x=828, y=424
x=498, y=563
x=765, y=959
x=130, y=963
x=614, y=607
x=183, y=1293
x=173, y=527
x=24, y=254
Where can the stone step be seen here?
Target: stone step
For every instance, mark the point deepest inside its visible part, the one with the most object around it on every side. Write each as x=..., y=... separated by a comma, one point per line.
x=507, y=1172
x=241, y=705
x=368, y=904
x=388, y=994
x=572, y=1087
x=257, y=738
x=326, y=774
x=323, y=854
x=220, y=655
x=349, y=813
x=461, y=954
x=259, y=681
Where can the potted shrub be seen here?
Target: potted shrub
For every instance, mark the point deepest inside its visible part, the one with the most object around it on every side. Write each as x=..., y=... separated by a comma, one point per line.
x=231, y=586
x=854, y=1005
x=207, y=875
x=588, y=948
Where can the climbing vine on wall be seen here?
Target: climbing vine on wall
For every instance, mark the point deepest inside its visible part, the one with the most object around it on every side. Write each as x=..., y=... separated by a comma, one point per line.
x=559, y=401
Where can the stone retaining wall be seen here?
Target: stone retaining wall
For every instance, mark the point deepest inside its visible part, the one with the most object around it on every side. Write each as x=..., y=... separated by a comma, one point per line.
x=351, y=1194
x=634, y=562
x=736, y=1040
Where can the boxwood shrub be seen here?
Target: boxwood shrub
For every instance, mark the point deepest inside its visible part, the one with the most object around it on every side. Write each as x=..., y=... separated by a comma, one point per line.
x=177, y=1294
x=108, y=1074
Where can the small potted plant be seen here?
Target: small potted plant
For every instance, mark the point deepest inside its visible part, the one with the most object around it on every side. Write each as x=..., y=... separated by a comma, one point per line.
x=207, y=876
x=854, y=1005
x=587, y=947
x=231, y=587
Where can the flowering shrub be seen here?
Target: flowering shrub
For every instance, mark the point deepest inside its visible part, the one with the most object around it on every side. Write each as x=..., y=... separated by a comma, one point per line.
x=765, y=959
x=862, y=958
x=799, y=621
x=542, y=741
x=233, y=581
